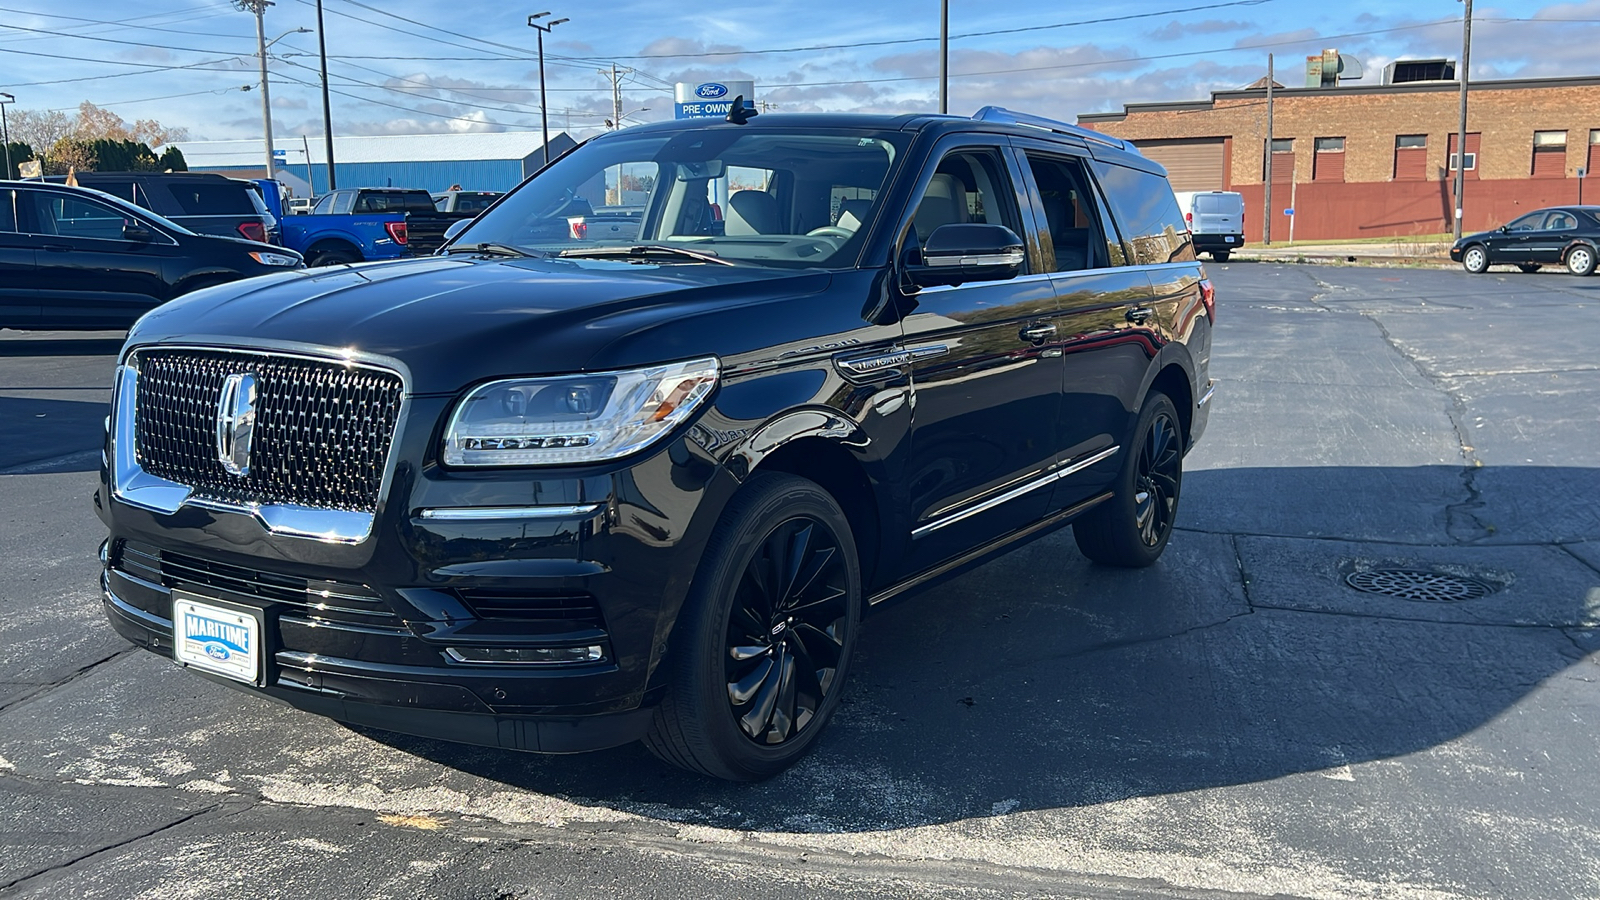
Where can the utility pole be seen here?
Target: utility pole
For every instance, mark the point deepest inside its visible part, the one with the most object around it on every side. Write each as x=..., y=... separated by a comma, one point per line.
x=615, y=73
x=259, y=7
x=944, y=56
x=1266, y=187
x=327, y=115
x=1461, y=126
x=544, y=116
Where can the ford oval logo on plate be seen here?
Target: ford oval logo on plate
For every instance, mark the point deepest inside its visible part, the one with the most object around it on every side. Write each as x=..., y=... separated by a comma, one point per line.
x=217, y=651
x=711, y=91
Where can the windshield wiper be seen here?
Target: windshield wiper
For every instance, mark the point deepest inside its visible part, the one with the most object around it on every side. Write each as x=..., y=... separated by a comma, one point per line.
x=490, y=248
x=639, y=251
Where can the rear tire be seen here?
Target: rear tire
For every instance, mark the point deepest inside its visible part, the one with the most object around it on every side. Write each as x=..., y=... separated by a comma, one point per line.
x=1475, y=259
x=761, y=649
x=331, y=256
x=1221, y=256
x=1581, y=260
x=1132, y=528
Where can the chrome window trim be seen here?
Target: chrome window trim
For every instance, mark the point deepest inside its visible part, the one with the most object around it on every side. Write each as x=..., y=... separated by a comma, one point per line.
x=132, y=485
x=1014, y=493
x=1020, y=279
x=492, y=513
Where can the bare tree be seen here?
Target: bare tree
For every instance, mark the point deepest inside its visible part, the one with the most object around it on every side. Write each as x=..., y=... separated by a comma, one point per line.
x=155, y=134
x=39, y=129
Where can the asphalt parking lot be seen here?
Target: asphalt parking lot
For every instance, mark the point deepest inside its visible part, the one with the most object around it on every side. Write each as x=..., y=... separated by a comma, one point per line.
x=1234, y=722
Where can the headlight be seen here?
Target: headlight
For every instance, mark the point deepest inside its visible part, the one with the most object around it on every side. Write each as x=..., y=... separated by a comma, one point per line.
x=575, y=418
x=274, y=259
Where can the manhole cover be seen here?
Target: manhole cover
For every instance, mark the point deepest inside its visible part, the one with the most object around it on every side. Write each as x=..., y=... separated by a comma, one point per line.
x=1415, y=584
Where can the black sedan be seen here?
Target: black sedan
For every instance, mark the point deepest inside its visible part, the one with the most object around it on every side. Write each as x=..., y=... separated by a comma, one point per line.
x=75, y=258
x=1559, y=236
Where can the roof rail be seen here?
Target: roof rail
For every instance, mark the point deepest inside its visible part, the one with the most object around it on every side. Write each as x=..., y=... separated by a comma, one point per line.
x=1008, y=117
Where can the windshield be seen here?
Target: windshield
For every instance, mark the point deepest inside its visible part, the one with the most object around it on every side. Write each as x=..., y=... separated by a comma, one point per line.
x=798, y=198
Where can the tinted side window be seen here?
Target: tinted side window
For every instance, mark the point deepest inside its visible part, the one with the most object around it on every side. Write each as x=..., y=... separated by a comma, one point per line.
x=1559, y=221
x=391, y=202
x=1069, y=213
x=342, y=201
x=74, y=216
x=198, y=198
x=417, y=202
x=1147, y=213
x=968, y=186
x=324, y=205
x=8, y=212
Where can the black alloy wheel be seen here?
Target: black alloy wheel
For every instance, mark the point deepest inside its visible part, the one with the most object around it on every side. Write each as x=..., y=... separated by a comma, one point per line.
x=761, y=649
x=786, y=631
x=1132, y=528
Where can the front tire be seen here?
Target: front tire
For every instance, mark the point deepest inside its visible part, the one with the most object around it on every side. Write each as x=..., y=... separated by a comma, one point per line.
x=1475, y=259
x=1132, y=528
x=1581, y=260
x=763, y=644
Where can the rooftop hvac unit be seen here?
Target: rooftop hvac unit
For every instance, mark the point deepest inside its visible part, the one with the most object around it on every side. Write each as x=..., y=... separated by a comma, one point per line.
x=1331, y=68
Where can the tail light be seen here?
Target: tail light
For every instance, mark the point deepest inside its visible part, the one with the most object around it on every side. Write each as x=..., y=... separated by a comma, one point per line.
x=253, y=231
x=1208, y=299
x=397, y=230
x=1189, y=217
x=580, y=229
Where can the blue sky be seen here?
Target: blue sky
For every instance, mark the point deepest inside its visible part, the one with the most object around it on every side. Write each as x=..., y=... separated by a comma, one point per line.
x=478, y=73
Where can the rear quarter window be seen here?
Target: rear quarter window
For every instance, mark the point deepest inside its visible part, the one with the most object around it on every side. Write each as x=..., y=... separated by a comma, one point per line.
x=198, y=198
x=1147, y=214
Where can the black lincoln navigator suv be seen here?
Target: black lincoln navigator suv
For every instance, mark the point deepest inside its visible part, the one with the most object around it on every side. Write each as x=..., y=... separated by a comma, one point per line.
x=558, y=493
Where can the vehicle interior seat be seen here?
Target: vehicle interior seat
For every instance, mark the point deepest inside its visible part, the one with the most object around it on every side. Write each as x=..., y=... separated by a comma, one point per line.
x=1071, y=243
x=752, y=212
x=945, y=203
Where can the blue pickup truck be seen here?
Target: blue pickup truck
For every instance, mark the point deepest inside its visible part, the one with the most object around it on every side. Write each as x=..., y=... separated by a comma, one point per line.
x=328, y=238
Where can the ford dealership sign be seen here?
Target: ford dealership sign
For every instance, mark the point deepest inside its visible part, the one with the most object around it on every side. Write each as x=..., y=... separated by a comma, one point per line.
x=711, y=99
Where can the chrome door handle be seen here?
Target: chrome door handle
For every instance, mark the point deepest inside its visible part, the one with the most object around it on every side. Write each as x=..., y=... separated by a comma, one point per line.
x=1139, y=314
x=1037, y=334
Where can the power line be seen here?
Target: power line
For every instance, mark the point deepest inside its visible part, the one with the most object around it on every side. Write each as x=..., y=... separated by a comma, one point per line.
x=129, y=22
x=106, y=40
x=920, y=40
x=109, y=104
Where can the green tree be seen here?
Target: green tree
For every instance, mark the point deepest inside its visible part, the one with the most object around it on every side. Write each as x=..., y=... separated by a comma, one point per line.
x=19, y=153
x=172, y=161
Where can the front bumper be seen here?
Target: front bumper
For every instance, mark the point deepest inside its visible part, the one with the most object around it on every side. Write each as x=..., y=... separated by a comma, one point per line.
x=391, y=631
x=1455, y=254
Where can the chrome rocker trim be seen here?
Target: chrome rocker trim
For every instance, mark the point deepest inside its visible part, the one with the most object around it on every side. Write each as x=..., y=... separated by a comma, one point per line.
x=1014, y=493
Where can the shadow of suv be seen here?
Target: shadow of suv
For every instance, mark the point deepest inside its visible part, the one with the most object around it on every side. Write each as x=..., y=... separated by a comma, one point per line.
x=557, y=492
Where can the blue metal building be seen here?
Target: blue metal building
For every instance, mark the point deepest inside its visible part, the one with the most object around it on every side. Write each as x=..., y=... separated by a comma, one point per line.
x=434, y=162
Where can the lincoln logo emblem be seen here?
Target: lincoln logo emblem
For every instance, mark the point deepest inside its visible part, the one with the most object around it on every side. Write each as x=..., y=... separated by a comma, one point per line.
x=236, y=422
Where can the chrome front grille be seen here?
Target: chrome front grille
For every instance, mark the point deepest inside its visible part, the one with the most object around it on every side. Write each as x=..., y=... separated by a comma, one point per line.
x=322, y=429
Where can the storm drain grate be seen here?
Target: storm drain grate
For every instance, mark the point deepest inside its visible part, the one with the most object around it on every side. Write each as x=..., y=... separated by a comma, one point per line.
x=1416, y=584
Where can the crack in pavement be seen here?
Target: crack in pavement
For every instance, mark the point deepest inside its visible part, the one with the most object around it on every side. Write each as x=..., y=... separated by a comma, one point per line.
x=1385, y=617
x=9, y=887
x=50, y=687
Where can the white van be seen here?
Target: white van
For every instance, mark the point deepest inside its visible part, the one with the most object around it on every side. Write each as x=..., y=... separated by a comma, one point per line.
x=1216, y=219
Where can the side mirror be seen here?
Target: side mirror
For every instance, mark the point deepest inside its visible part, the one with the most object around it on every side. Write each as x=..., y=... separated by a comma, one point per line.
x=1503, y=229
x=133, y=231
x=956, y=254
x=456, y=228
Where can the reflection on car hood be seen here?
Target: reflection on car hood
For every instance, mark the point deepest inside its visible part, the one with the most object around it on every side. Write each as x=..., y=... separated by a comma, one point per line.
x=455, y=320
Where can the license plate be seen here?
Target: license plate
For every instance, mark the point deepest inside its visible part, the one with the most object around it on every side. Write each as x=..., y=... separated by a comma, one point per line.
x=1229, y=239
x=218, y=638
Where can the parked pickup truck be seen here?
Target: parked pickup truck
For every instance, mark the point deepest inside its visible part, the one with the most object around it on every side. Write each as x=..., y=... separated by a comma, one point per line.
x=330, y=239
x=425, y=224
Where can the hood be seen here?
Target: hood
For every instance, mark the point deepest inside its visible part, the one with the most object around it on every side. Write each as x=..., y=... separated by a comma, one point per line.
x=453, y=321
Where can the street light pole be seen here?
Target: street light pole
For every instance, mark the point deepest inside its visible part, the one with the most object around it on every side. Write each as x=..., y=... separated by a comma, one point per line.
x=266, y=97
x=1461, y=126
x=544, y=114
x=5, y=134
x=327, y=115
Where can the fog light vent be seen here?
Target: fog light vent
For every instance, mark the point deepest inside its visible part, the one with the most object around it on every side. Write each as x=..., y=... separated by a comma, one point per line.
x=1420, y=585
x=525, y=656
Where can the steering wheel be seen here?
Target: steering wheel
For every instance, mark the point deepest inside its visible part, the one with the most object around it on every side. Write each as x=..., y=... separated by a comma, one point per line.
x=831, y=231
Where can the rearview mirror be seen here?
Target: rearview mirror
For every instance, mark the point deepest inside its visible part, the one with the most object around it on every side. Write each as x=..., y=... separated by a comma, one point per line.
x=699, y=171
x=958, y=253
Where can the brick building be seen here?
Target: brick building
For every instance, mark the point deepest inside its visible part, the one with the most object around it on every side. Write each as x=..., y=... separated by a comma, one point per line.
x=1376, y=160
